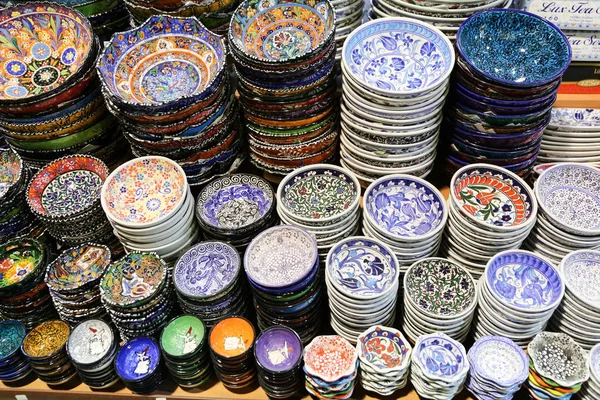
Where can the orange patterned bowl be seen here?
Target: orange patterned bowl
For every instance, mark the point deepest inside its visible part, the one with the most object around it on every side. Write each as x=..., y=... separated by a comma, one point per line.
x=232, y=337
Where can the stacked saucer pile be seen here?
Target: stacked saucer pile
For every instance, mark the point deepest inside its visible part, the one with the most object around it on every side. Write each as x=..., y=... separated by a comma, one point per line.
x=137, y=293
x=330, y=367
x=93, y=347
x=591, y=390
x=384, y=358
x=235, y=208
x=439, y=296
x=498, y=368
x=578, y=313
x=177, y=102
x=392, y=103
x=509, y=66
x=73, y=279
x=231, y=342
x=138, y=365
x=491, y=210
x=208, y=284
x=184, y=348
x=568, y=198
x=572, y=136
x=278, y=354
x=282, y=265
x=13, y=363
x=557, y=367
x=406, y=213
x=517, y=295
x=323, y=199
x=362, y=277
x=45, y=349
x=286, y=81
x=149, y=204
x=439, y=366
x=24, y=295
x=348, y=16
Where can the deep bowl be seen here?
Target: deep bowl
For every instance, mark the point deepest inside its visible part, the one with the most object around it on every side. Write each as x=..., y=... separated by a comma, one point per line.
x=514, y=48
x=11, y=170
x=497, y=140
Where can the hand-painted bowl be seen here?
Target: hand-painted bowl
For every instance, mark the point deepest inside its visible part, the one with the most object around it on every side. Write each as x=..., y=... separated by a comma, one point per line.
x=91, y=342
x=384, y=349
x=138, y=359
x=514, y=48
x=187, y=9
x=440, y=358
x=232, y=337
x=21, y=260
x=499, y=361
x=11, y=170
x=579, y=270
x=12, y=334
x=183, y=336
x=330, y=358
x=46, y=340
x=575, y=120
x=278, y=349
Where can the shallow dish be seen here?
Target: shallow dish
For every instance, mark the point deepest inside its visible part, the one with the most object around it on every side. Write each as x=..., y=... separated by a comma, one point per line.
x=579, y=270
x=499, y=361
x=575, y=120
x=330, y=358
x=138, y=359
x=440, y=358
x=46, y=340
x=384, y=349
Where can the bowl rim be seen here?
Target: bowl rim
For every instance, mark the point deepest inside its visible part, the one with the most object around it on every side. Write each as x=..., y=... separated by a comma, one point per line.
x=567, y=259
x=517, y=380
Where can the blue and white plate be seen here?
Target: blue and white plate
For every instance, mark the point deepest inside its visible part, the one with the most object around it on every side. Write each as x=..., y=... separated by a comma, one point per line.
x=440, y=358
x=499, y=362
x=575, y=119
x=594, y=362
x=581, y=273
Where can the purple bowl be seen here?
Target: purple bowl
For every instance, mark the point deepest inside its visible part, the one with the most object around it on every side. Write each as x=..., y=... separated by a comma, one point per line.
x=518, y=120
x=494, y=156
x=504, y=162
x=518, y=102
x=499, y=131
x=278, y=349
x=498, y=141
x=518, y=168
x=513, y=108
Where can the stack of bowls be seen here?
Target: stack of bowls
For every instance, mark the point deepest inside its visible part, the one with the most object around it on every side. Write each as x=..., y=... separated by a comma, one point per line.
x=13, y=363
x=348, y=17
x=138, y=365
x=45, y=348
x=439, y=366
x=491, y=210
x=330, y=368
x=182, y=108
x=106, y=17
x=384, y=358
x=185, y=350
x=286, y=81
x=578, y=315
x=231, y=342
x=149, y=203
x=498, y=368
x=392, y=104
x=208, y=284
x=137, y=293
x=571, y=136
x=93, y=347
x=439, y=296
x=362, y=277
x=517, y=295
x=73, y=279
x=235, y=208
x=591, y=390
x=509, y=66
x=282, y=265
x=24, y=295
x=557, y=367
x=323, y=199
x=406, y=213
x=568, y=198
x=278, y=353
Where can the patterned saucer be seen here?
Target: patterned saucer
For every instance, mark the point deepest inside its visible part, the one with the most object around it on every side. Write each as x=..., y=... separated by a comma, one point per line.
x=575, y=119
x=440, y=358
x=278, y=349
x=46, y=339
x=12, y=334
x=182, y=336
x=385, y=349
x=20, y=261
x=138, y=359
x=330, y=358
x=77, y=267
x=11, y=168
x=581, y=272
x=90, y=342
x=499, y=360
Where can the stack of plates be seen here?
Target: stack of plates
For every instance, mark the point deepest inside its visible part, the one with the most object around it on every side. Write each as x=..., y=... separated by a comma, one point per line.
x=568, y=198
x=45, y=348
x=557, y=367
x=498, y=368
x=231, y=341
x=323, y=199
x=149, y=203
x=208, y=284
x=24, y=295
x=491, y=210
x=13, y=363
x=517, y=295
x=138, y=365
x=330, y=367
x=578, y=315
x=282, y=265
x=286, y=81
x=439, y=296
x=572, y=136
x=503, y=100
x=106, y=17
x=591, y=390
x=50, y=98
x=137, y=293
x=184, y=347
x=348, y=16
x=384, y=358
x=93, y=347
x=183, y=108
x=391, y=103
x=439, y=366
x=235, y=208
x=73, y=279
x=406, y=213
x=278, y=353
x=362, y=276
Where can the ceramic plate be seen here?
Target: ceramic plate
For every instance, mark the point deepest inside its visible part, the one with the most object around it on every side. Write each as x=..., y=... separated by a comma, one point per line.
x=499, y=360
x=383, y=348
x=575, y=119
x=138, y=359
x=581, y=273
x=182, y=336
x=46, y=339
x=90, y=342
x=440, y=358
x=19, y=259
x=278, y=349
x=77, y=266
x=330, y=358
x=12, y=334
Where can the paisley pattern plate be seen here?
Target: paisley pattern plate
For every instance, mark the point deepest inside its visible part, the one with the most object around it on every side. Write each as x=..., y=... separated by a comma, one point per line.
x=12, y=334
x=78, y=266
x=46, y=339
x=440, y=357
x=19, y=260
x=573, y=118
x=138, y=359
x=499, y=360
x=330, y=358
x=182, y=336
x=278, y=349
x=581, y=273
x=90, y=342
x=384, y=348
x=11, y=167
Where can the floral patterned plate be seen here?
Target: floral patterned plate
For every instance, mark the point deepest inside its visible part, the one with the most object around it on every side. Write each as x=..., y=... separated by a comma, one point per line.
x=581, y=272
x=20, y=260
x=330, y=358
x=385, y=349
x=440, y=358
x=12, y=334
x=11, y=167
x=46, y=339
x=499, y=360
x=77, y=267
x=575, y=120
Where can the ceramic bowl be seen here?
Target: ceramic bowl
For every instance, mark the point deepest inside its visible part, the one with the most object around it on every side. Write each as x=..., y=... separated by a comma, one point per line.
x=46, y=340
x=518, y=59
x=77, y=267
x=11, y=171
x=330, y=358
x=394, y=345
x=220, y=338
x=578, y=269
x=499, y=361
x=440, y=358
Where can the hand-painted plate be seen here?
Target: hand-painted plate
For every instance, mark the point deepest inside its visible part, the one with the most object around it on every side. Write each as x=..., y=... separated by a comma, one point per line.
x=77, y=266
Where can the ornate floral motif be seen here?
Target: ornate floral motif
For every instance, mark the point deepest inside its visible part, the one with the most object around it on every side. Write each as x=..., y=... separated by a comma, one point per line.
x=571, y=118
x=384, y=348
x=439, y=356
x=12, y=334
x=330, y=358
x=18, y=259
x=11, y=167
x=46, y=339
x=78, y=266
x=581, y=272
x=499, y=360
